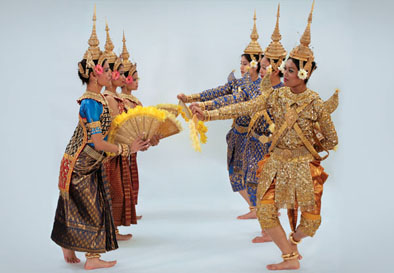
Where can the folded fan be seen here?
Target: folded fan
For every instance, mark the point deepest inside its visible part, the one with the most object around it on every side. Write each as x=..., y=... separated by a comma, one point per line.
x=172, y=108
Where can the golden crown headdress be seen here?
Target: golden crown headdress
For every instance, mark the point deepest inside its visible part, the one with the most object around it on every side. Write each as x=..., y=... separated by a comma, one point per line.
x=93, y=53
x=275, y=50
x=108, y=53
x=302, y=52
x=128, y=66
x=254, y=47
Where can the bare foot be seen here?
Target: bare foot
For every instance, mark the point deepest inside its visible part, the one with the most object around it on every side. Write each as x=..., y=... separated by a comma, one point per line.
x=95, y=263
x=285, y=265
x=123, y=237
x=262, y=239
x=250, y=215
x=69, y=256
x=139, y=217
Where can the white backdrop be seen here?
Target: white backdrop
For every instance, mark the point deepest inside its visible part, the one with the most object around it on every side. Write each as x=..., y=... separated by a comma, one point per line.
x=189, y=210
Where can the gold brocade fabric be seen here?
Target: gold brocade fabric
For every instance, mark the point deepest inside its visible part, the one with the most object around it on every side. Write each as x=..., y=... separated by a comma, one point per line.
x=289, y=160
x=310, y=218
x=83, y=220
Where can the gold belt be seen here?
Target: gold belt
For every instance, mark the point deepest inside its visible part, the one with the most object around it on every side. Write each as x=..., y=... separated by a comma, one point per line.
x=297, y=154
x=93, y=153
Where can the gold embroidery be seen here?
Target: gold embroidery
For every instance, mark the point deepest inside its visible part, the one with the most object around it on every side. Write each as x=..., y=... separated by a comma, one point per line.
x=130, y=98
x=94, y=124
x=95, y=96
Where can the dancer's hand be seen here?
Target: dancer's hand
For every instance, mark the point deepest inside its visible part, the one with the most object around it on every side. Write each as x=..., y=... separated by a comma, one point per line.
x=182, y=97
x=155, y=140
x=193, y=106
x=139, y=145
x=199, y=113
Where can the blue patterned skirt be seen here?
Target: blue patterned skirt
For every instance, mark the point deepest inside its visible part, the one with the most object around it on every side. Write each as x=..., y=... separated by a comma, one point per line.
x=235, y=148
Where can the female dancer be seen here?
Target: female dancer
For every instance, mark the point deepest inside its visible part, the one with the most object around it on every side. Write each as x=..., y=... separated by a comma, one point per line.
x=83, y=220
x=130, y=101
x=119, y=169
x=232, y=92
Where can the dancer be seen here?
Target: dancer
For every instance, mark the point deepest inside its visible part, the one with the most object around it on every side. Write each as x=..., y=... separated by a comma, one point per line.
x=119, y=169
x=130, y=101
x=83, y=220
x=235, y=91
x=255, y=150
x=291, y=175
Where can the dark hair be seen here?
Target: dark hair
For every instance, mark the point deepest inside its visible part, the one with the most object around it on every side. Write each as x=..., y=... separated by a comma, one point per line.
x=83, y=63
x=276, y=61
x=111, y=65
x=297, y=64
x=257, y=57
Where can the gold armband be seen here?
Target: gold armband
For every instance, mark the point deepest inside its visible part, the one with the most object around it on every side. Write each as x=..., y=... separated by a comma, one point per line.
x=94, y=124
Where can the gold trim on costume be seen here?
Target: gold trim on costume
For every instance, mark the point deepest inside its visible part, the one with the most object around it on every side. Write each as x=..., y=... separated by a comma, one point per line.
x=95, y=96
x=193, y=98
x=94, y=124
x=130, y=98
x=112, y=94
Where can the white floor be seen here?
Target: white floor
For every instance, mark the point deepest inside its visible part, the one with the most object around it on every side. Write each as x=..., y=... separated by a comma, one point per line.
x=189, y=225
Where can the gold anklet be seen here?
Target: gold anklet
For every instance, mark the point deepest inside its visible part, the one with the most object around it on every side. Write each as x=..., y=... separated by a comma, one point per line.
x=252, y=208
x=291, y=256
x=92, y=255
x=291, y=238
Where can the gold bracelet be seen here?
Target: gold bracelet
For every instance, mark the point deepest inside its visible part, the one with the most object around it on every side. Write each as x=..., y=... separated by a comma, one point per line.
x=119, y=149
x=290, y=256
x=89, y=255
x=125, y=150
x=291, y=238
x=207, y=117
